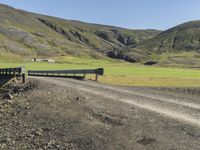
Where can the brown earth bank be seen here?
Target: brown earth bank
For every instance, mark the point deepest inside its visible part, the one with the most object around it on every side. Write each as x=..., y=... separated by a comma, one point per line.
x=52, y=113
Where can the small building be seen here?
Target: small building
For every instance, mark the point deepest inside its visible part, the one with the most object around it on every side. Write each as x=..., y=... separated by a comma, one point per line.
x=43, y=60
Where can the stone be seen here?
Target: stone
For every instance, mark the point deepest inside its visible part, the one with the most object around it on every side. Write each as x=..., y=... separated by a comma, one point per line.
x=51, y=143
x=39, y=132
x=8, y=96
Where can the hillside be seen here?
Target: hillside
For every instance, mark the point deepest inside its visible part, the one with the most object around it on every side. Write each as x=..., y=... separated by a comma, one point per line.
x=182, y=37
x=178, y=45
x=24, y=34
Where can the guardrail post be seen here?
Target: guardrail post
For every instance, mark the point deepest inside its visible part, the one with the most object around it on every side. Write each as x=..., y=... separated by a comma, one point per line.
x=84, y=76
x=23, y=78
x=15, y=79
x=23, y=75
x=96, y=77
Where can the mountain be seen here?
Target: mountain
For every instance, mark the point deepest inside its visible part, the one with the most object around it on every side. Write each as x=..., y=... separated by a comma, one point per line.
x=180, y=44
x=183, y=37
x=25, y=34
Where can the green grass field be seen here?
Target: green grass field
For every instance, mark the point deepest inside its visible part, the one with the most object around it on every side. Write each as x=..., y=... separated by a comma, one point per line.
x=122, y=73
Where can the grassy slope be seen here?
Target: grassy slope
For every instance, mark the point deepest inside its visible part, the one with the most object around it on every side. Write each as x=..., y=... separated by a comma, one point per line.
x=178, y=46
x=123, y=73
x=30, y=35
x=26, y=35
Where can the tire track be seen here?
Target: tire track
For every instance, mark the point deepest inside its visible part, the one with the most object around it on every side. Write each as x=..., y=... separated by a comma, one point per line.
x=155, y=97
x=171, y=108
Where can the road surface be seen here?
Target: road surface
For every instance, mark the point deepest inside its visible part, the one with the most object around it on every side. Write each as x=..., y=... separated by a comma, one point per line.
x=60, y=113
x=186, y=110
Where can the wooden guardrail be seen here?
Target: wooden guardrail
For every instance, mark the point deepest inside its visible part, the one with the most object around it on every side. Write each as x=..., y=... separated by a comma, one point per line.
x=66, y=73
x=8, y=73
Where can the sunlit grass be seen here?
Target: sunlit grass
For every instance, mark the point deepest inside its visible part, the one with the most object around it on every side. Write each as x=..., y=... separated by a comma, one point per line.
x=122, y=73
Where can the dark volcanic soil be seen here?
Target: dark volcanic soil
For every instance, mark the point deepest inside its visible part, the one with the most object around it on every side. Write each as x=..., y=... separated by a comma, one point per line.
x=50, y=113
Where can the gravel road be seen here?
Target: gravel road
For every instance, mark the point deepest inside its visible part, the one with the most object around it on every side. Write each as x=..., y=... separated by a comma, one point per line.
x=186, y=110
x=59, y=113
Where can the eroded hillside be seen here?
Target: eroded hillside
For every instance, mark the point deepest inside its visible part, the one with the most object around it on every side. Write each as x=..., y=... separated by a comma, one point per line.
x=27, y=34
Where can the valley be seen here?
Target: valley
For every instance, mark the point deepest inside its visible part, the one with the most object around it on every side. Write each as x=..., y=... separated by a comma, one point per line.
x=25, y=35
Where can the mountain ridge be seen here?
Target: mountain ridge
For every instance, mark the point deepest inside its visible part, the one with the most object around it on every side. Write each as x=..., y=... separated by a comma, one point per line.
x=24, y=33
x=27, y=34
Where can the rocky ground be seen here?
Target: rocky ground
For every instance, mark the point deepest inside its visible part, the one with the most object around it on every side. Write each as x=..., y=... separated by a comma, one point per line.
x=68, y=114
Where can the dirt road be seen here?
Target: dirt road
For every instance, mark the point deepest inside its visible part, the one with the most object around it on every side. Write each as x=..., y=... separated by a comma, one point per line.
x=89, y=115
x=179, y=108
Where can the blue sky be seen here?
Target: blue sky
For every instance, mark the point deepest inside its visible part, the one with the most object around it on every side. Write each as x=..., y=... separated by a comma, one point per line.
x=134, y=14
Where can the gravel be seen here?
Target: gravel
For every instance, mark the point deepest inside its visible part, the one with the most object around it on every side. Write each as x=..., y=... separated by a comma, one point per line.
x=69, y=114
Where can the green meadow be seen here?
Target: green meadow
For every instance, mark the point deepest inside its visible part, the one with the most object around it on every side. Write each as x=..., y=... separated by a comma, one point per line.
x=120, y=72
